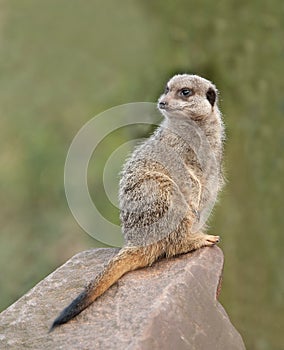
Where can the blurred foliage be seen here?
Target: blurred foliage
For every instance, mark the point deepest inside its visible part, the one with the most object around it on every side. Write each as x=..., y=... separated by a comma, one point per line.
x=62, y=62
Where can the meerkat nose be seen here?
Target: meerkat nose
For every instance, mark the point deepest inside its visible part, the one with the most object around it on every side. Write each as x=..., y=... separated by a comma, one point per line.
x=162, y=104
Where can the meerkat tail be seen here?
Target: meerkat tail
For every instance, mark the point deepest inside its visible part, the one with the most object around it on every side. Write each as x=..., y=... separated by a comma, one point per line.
x=129, y=258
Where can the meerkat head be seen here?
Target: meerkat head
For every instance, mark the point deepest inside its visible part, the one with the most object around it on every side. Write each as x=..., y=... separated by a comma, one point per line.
x=188, y=96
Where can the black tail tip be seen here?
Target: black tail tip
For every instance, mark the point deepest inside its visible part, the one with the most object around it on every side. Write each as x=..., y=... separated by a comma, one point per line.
x=77, y=305
x=55, y=324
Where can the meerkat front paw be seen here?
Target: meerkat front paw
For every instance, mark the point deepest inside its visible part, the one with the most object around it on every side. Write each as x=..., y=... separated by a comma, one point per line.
x=211, y=240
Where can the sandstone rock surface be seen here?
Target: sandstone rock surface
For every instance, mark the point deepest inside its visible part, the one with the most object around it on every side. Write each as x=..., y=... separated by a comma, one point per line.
x=170, y=305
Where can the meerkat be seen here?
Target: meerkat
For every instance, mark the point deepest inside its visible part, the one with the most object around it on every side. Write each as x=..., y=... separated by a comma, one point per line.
x=167, y=185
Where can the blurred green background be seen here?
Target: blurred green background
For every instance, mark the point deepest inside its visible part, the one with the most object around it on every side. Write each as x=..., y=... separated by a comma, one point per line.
x=64, y=61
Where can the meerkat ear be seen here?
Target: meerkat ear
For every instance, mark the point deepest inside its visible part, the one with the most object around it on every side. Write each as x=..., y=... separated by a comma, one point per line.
x=211, y=96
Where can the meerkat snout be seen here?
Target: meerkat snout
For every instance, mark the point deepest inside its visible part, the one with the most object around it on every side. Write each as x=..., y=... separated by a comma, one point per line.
x=162, y=104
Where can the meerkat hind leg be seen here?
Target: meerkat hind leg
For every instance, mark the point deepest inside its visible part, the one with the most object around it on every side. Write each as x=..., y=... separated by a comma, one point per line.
x=199, y=240
x=211, y=239
x=192, y=242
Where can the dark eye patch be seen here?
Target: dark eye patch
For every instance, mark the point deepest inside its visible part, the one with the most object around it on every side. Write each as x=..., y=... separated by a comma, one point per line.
x=166, y=90
x=185, y=92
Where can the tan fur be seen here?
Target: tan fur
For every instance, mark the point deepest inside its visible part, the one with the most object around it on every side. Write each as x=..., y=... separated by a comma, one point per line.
x=166, y=186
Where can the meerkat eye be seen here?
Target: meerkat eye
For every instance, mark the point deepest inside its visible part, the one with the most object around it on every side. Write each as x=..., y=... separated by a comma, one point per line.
x=186, y=92
x=166, y=90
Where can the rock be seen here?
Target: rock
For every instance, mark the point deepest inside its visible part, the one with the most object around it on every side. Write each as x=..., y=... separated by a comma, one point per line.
x=171, y=305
